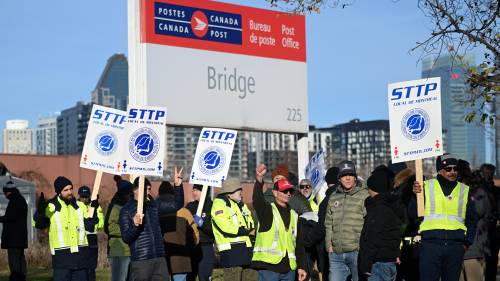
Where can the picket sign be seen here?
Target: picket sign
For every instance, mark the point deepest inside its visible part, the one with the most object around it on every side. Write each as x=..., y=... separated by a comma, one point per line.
x=202, y=200
x=140, y=195
x=419, y=177
x=95, y=191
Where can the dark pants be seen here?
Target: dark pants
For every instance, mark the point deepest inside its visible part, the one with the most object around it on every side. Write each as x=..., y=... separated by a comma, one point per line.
x=408, y=270
x=17, y=264
x=204, y=263
x=490, y=273
x=93, y=255
x=441, y=260
x=149, y=270
x=61, y=274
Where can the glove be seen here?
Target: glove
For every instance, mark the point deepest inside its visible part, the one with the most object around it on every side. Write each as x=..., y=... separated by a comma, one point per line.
x=242, y=231
x=198, y=220
x=41, y=205
x=94, y=203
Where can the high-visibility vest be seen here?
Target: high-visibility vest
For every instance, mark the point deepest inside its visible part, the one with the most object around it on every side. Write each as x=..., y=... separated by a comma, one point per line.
x=229, y=219
x=273, y=245
x=100, y=216
x=67, y=229
x=314, y=205
x=444, y=212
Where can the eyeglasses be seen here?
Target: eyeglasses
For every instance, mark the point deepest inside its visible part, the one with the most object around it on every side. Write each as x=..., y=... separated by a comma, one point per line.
x=449, y=168
x=304, y=186
x=288, y=191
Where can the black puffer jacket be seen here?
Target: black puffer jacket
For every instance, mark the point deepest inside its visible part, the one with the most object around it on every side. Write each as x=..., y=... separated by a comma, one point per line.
x=15, y=229
x=146, y=241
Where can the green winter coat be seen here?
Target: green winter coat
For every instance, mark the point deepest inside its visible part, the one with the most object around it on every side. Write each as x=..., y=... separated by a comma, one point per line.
x=116, y=246
x=344, y=219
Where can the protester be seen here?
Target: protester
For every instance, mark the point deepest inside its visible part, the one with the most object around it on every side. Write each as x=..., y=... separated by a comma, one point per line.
x=474, y=257
x=204, y=257
x=143, y=234
x=232, y=224
x=65, y=217
x=343, y=224
x=381, y=235
x=313, y=241
x=277, y=253
x=84, y=197
x=118, y=250
x=15, y=231
x=180, y=235
x=305, y=187
x=449, y=224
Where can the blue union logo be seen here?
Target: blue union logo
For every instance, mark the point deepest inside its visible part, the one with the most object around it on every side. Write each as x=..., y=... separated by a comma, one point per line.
x=415, y=124
x=212, y=161
x=315, y=177
x=144, y=145
x=105, y=143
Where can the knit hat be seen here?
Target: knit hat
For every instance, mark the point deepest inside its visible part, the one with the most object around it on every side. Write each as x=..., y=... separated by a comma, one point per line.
x=281, y=169
x=332, y=175
x=60, y=183
x=231, y=185
x=347, y=168
x=381, y=179
x=124, y=186
x=397, y=167
x=9, y=187
x=198, y=187
x=445, y=160
x=84, y=191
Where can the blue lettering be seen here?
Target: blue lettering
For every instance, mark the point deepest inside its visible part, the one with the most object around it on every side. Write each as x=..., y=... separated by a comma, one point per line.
x=159, y=114
x=229, y=136
x=396, y=94
x=419, y=87
x=408, y=91
x=98, y=114
x=132, y=113
x=428, y=88
x=205, y=134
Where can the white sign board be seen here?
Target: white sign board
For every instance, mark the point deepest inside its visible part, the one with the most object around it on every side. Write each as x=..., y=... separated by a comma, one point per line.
x=105, y=142
x=213, y=156
x=415, y=119
x=211, y=55
x=145, y=137
x=315, y=171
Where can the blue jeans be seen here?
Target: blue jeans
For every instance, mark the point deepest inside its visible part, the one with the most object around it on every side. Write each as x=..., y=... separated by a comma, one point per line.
x=267, y=275
x=342, y=265
x=383, y=271
x=179, y=277
x=119, y=268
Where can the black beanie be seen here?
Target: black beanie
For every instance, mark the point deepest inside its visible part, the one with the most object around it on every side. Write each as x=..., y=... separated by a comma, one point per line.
x=60, y=183
x=445, y=160
x=381, y=179
x=332, y=175
x=9, y=187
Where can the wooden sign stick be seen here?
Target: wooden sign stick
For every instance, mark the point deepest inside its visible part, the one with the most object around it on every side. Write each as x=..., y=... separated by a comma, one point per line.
x=419, y=177
x=140, y=195
x=202, y=200
x=95, y=191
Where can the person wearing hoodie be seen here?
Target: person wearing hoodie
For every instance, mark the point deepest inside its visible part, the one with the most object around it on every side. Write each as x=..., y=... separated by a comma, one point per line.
x=381, y=234
x=118, y=250
x=343, y=224
x=15, y=231
x=449, y=224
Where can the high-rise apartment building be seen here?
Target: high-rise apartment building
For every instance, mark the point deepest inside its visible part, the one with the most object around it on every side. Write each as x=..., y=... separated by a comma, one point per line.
x=72, y=128
x=46, y=136
x=17, y=137
x=112, y=88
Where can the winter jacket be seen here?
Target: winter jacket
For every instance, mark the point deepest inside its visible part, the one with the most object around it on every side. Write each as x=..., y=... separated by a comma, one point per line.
x=116, y=246
x=381, y=234
x=480, y=246
x=344, y=219
x=146, y=241
x=206, y=234
x=15, y=229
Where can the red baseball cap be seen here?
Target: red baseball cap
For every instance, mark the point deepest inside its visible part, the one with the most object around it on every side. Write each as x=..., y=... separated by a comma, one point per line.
x=282, y=185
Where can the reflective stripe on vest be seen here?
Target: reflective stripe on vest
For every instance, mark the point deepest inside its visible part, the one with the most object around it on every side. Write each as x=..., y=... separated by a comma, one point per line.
x=224, y=243
x=63, y=224
x=440, y=212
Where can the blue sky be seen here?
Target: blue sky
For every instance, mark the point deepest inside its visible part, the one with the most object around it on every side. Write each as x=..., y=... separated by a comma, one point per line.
x=52, y=54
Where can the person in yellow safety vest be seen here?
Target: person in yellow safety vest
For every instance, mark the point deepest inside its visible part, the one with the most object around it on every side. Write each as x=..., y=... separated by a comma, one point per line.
x=305, y=187
x=84, y=197
x=449, y=224
x=65, y=217
x=232, y=224
x=279, y=249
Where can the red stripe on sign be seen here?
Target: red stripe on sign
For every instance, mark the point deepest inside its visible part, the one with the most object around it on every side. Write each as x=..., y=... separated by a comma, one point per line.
x=222, y=27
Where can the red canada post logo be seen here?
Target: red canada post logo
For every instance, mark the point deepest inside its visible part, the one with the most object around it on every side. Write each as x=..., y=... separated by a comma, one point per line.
x=199, y=24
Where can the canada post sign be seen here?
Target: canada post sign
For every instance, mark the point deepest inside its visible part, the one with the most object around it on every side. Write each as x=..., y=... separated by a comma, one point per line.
x=415, y=119
x=210, y=55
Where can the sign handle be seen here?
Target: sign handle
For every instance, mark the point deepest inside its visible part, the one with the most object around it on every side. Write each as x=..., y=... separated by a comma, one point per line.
x=95, y=191
x=419, y=177
x=202, y=200
x=140, y=195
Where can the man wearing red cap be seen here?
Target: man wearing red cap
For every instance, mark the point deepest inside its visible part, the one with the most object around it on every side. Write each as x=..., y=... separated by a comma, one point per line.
x=277, y=254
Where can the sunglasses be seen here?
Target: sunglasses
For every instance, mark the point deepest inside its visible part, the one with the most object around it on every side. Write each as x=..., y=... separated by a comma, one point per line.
x=304, y=186
x=288, y=191
x=450, y=168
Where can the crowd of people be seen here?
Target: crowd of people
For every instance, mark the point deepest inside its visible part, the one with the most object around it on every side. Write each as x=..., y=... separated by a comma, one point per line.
x=354, y=229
